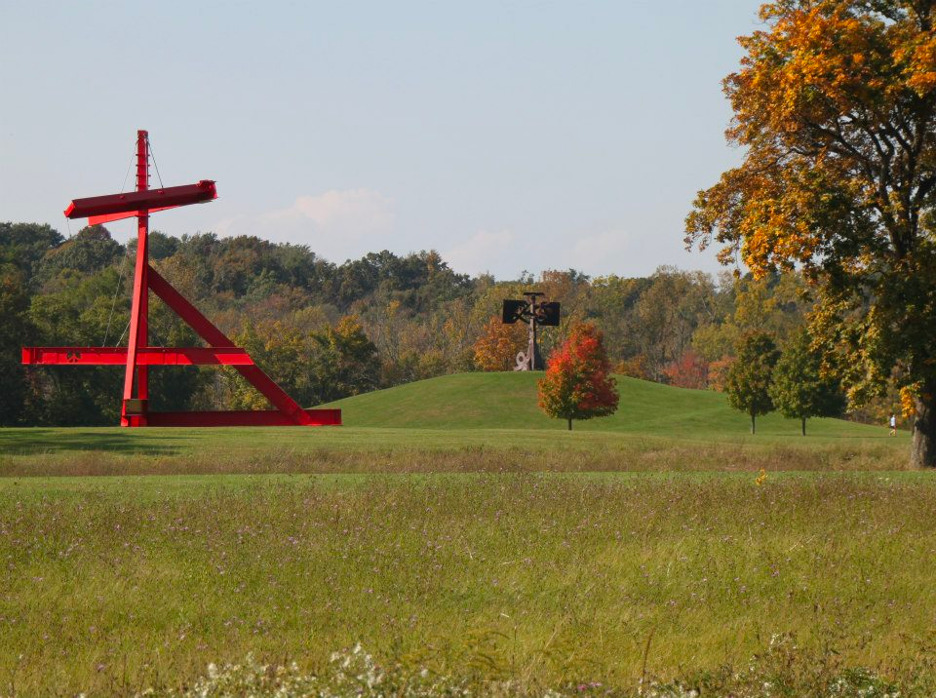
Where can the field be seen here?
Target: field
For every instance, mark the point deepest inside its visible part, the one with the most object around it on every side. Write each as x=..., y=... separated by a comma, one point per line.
x=484, y=545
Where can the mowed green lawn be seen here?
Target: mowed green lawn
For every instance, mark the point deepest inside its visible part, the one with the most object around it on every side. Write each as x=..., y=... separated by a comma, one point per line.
x=450, y=526
x=471, y=422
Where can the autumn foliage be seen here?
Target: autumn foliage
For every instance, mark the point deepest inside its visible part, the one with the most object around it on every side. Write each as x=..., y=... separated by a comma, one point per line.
x=635, y=367
x=835, y=108
x=578, y=384
x=689, y=371
x=497, y=347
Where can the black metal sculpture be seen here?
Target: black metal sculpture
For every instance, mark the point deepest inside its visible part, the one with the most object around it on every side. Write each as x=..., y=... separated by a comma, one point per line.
x=537, y=314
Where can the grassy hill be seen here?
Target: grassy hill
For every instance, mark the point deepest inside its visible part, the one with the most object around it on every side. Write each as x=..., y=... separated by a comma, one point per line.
x=508, y=401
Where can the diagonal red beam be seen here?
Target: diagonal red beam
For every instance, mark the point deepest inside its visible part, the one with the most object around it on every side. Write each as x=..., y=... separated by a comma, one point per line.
x=133, y=202
x=216, y=338
x=146, y=356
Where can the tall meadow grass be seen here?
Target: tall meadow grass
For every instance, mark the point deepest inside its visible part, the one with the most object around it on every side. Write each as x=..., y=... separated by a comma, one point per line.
x=113, y=586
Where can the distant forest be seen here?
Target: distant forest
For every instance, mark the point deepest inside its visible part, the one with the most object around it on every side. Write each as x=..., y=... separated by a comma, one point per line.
x=325, y=331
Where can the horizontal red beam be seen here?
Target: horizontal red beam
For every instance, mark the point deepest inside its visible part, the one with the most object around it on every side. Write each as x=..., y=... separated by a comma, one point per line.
x=262, y=418
x=133, y=202
x=146, y=356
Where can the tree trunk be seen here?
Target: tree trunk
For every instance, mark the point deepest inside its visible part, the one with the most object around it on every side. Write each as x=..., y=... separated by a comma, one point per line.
x=804, y=426
x=923, y=453
x=570, y=424
x=753, y=428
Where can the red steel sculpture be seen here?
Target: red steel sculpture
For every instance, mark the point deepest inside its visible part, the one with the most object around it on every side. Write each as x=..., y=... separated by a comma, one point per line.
x=138, y=356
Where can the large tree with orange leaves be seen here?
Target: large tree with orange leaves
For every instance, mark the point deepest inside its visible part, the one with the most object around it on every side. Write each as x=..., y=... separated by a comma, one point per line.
x=577, y=384
x=835, y=106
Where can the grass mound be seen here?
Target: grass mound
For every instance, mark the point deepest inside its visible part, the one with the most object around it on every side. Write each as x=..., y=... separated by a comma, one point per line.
x=508, y=401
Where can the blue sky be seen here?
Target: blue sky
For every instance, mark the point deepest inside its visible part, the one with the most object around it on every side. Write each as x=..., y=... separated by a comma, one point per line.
x=508, y=135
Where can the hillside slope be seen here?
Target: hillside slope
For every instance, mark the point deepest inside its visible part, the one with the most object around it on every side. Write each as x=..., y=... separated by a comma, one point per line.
x=508, y=401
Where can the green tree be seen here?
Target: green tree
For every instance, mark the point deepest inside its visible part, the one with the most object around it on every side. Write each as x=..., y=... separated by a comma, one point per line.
x=90, y=251
x=346, y=363
x=23, y=245
x=75, y=309
x=835, y=107
x=611, y=301
x=749, y=378
x=667, y=314
x=799, y=389
x=578, y=384
x=15, y=331
x=173, y=388
x=289, y=356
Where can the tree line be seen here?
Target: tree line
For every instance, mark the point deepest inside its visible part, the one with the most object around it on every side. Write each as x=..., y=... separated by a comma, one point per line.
x=325, y=331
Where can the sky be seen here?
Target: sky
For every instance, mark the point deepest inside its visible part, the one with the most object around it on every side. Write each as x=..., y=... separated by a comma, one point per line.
x=508, y=135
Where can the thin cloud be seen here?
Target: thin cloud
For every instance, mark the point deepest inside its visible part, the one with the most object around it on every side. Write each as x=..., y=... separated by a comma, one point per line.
x=338, y=224
x=480, y=253
x=602, y=251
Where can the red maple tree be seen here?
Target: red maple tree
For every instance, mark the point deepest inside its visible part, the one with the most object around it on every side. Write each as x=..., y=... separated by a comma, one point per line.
x=578, y=384
x=688, y=371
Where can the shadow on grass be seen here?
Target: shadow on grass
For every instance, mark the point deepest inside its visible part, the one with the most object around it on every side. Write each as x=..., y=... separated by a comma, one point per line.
x=37, y=441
